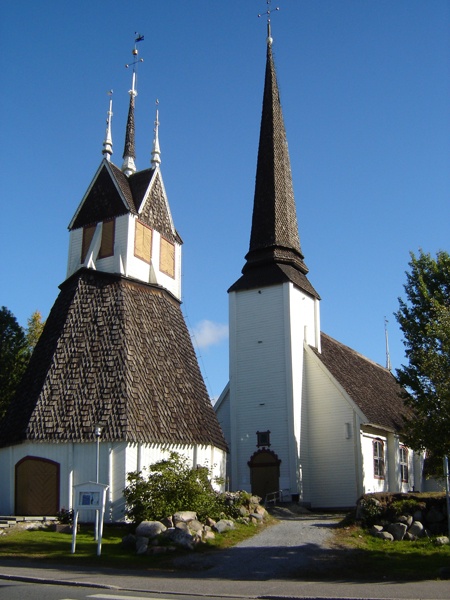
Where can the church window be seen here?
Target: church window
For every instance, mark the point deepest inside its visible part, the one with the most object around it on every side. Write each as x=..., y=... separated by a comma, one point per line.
x=88, y=234
x=143, y=242
x=404, y=463
x=263, y=438
x=107, y=244
x=167, y=258
x=378, y=459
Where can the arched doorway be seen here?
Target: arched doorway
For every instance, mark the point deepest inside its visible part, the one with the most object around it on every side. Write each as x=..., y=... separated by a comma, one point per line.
x=37, y=487
x=264, y=472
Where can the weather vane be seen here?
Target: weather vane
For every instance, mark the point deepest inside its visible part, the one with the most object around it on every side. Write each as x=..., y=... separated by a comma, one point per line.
x=268, y=12
x=137, y=39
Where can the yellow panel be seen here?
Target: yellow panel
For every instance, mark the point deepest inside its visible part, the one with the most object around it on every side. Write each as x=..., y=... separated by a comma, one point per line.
x=143, y=242
x=88, y=234
x=107, y=245
x=167, y=259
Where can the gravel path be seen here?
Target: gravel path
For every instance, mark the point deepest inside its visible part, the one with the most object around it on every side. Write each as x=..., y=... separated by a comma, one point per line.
x=297, y=544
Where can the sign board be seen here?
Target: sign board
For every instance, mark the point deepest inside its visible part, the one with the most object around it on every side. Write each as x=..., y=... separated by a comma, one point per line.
x=90, y=496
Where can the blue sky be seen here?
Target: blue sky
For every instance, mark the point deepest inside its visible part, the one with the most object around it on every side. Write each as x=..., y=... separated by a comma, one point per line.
x=366, y=100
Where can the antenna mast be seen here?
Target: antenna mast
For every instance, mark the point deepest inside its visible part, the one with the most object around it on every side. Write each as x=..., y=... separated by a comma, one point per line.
x=386, y=336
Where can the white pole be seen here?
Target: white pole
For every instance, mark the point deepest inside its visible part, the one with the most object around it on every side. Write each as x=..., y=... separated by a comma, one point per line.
x=447, y=489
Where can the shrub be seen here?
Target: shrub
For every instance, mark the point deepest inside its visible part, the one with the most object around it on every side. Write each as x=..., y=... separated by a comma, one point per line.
x=372, y=511
x=171, y=486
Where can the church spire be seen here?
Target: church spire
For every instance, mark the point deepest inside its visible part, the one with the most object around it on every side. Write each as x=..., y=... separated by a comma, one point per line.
x=129, y=153
x=107, y=144
x=274, y=235
x=274, y=254
x=156, y=152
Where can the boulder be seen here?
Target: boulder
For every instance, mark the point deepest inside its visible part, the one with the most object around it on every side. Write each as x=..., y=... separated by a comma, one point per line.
x=184, y=516
x=141, y=544
x=376, y=529
x=150, y=529
x=397, y=530
x=416, y=529
x=443, y=540
x=180, y=538
x=223, y=525
x=195, y=525
x=129, y=542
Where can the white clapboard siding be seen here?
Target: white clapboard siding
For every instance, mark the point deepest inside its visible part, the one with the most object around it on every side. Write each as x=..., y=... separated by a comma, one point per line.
x=329, y=446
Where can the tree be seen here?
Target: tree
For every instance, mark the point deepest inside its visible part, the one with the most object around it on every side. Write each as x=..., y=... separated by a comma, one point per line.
x=424, y=318
x=14, y=356
x=34, y=330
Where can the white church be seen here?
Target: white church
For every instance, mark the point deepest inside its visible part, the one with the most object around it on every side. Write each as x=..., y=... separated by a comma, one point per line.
x=304, y=416
x=114, y=384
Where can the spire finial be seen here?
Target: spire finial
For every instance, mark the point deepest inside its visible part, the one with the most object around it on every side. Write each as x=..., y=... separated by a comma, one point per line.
x=268, y=13
x=156, y=152
x=107, y=144
x=128, y=166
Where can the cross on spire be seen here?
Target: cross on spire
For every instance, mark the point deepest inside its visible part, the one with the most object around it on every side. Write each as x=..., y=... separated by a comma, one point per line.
x=268, y=12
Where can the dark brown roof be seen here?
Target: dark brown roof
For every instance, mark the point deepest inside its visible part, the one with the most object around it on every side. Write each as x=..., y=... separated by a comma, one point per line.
x=116, y=351
x=371, y=387
x=274, y=236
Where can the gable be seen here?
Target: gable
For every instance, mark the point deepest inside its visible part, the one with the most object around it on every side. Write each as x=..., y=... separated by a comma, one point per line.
x=103, y=200
x=370, y=386
x=154, y=209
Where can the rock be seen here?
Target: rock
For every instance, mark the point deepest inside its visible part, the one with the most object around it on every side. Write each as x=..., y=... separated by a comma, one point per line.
x=208, y=535
x=384, y=535
x=223, y=525
x=398, y=530
x=182, y=525
x=167, y=522
x=184, y=516
x=243, y=511
x=256, y=516
x=180, y=538
x=210, y=522
x=141, y=545
x=195, y=525
x=416, y=529
x=406, y=519
x=443, y=540
x=255, y=500
x=375, y=529
x=260, y=510
x=150, y=529
x=409, y=537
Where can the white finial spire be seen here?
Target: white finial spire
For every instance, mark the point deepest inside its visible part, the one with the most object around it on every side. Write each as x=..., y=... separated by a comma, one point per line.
x=107, y=144
x=156, y=152
x=388, y=355
x=128, y=166
x=268, y=13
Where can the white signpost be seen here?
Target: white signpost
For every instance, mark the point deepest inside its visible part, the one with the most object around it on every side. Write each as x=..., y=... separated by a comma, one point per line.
x=90, y=496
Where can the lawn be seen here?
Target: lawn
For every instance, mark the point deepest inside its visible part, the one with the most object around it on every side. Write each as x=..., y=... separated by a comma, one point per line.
x=353, y=554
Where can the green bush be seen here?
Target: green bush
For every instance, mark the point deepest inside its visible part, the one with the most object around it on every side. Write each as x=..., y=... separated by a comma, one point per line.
x=406, y=506
x=171, y=486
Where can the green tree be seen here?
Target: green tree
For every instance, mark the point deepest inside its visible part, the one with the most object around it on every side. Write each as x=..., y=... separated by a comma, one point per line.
x=171, y=486
x=14, y=357
x=424, y=318
x=34, y=330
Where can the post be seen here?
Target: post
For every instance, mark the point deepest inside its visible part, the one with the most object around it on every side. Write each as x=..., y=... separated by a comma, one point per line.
x=447, y=490
x=98, y=433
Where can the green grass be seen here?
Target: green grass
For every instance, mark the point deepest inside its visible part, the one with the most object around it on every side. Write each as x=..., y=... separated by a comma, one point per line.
x=44, y=544
x=361, y=556
x=353, y=554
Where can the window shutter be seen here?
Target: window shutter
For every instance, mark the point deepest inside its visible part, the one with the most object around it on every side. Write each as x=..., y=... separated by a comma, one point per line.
x=107, y=245
x=88, y=234
x=143, y=242
x=167, y=259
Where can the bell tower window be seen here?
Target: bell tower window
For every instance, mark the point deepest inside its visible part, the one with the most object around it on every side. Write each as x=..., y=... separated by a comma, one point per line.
x=143, y=242
x=107, y=245
x=167, y=259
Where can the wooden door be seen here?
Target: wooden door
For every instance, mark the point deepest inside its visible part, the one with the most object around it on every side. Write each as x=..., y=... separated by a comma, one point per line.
x=264, y=473
x=37, y=487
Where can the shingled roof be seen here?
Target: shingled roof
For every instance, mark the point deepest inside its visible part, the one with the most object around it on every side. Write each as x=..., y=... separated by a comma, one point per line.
x=115, y=351
x=274, y=240
x=371, y=387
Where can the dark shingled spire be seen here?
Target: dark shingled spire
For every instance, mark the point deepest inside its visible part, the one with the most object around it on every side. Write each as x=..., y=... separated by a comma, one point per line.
x=129, y=153
x=274, y=255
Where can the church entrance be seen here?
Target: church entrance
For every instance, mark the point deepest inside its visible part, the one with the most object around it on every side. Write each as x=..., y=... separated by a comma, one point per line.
x=264, y=472
x=37, y=487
